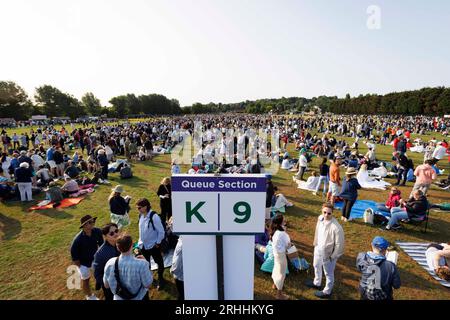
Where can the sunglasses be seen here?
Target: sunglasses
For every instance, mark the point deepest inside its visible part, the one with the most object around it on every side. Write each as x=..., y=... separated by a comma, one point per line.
x=114, y=232
x=327, y=212
x=139, y=208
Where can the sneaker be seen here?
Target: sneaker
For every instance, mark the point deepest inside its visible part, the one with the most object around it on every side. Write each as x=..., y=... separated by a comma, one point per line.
x=92, y=297
x=321, y=295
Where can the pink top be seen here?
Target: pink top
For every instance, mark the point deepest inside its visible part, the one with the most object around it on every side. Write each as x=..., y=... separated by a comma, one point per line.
x=425, y=174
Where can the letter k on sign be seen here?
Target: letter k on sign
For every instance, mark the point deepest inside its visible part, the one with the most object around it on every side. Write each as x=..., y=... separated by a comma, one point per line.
x=194, y=212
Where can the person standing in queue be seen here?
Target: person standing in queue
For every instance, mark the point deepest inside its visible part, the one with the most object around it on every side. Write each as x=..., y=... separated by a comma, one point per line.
x=151, y=233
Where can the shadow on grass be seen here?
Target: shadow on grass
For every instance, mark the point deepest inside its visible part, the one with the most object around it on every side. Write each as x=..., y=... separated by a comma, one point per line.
x=10, y=227
x=53, y=213
x=133, y=182
x=410, y=280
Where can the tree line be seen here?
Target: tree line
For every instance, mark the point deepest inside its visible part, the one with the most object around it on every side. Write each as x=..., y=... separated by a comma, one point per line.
x=426, y=101
x=52, y=102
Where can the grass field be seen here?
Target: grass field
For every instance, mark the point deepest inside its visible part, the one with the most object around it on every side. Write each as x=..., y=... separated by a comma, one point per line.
x=34, y=246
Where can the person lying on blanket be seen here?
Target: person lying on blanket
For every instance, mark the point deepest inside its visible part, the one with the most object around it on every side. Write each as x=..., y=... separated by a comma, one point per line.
x=438, y=259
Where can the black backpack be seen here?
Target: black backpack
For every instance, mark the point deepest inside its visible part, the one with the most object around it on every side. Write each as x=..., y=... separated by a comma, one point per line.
x=121, y=290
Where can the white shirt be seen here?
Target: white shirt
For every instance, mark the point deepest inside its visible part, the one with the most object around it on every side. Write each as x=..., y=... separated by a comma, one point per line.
x=280, y=241
x=439, y=152
x=430, y=253
x=303, y=162
x=321, y=236
x=285, y=164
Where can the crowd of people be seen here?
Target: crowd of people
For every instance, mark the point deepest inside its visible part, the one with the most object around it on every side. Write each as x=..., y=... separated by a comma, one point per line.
x=37, y=160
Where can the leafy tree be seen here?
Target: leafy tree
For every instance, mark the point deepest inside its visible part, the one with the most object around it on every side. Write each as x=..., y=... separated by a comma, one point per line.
x=55, y=103
x=91, y=104
x=14, y=101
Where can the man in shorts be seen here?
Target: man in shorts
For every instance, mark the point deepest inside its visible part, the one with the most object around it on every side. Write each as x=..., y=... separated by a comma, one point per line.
x=83, y=249
x=335, y=180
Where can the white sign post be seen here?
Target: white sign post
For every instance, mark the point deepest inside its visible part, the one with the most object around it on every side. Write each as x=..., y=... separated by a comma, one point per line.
x=207, y=207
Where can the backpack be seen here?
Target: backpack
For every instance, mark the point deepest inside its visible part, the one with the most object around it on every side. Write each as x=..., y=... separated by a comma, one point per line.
x=165, y=246
x=371, y=292
x=379, y=219
x=125, y=173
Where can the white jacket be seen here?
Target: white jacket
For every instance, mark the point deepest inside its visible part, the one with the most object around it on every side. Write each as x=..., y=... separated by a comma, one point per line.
x=334, y=239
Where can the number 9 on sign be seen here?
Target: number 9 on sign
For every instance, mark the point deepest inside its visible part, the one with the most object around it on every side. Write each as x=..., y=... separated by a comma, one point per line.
x=243, y=210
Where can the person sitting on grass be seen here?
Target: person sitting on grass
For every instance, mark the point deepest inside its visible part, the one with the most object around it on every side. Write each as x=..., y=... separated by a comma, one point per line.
x=72, y=170
x=414, y=208
x=70, y=187
x=6, y=190
x=395, y=196
x=43, y=175
x=53, y=193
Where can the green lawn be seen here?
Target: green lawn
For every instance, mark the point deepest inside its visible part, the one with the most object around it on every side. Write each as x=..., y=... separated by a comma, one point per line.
x=34, y=246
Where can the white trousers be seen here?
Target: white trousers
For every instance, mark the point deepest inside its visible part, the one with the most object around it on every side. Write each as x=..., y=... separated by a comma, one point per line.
x=327, y=267
x=25, y=191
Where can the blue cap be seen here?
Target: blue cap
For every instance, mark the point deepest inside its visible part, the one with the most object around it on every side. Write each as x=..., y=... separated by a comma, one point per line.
x=380, y=243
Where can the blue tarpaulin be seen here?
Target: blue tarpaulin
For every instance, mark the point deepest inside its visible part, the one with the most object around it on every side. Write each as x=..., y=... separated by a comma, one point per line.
x=359, y=207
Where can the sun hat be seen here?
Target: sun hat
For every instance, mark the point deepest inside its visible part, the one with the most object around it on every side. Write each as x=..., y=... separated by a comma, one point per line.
x=118, y=189
x=86, y=219
x=380, y=243
x=351, y=171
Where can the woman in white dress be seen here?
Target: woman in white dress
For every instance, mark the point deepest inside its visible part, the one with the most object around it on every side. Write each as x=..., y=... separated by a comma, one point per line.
x=370, y=183
x=280, y=243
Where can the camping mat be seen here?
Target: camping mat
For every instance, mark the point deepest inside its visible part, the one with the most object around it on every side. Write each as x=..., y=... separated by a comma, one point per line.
x=65, y=203
x=416, y=251
x=359, y=207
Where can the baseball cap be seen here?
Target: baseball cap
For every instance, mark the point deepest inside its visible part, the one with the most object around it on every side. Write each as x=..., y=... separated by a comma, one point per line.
x=380, y=243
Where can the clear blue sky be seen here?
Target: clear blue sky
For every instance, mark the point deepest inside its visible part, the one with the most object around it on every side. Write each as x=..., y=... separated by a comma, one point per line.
x=224, y=50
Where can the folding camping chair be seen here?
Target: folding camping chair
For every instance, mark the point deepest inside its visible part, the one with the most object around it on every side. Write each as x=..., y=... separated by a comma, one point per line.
x=417, y=222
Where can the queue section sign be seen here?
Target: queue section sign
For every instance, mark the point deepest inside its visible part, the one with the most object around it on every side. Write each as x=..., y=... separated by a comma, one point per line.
x=218, y=204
